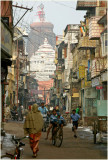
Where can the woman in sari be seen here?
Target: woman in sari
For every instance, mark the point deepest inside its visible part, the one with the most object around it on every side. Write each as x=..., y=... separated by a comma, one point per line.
x=33, y=126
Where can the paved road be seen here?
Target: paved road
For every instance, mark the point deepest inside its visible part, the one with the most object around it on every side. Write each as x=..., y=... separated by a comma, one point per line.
x=80, y=148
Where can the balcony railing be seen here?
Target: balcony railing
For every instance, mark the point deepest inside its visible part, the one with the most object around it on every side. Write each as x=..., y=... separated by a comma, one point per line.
x=94, y=28
x=97, y=66
x=85, y=43
x=86, y=4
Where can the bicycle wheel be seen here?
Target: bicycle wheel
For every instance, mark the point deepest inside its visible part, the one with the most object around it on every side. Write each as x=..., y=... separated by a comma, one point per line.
x=53, y=136
x=59, y=138
x=6, y=157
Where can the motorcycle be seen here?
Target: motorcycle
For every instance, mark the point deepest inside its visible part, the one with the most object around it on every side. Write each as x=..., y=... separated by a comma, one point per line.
x=18, y=149
x=14, y=115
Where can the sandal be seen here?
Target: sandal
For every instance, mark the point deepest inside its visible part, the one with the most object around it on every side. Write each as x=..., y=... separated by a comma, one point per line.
x=34, y=155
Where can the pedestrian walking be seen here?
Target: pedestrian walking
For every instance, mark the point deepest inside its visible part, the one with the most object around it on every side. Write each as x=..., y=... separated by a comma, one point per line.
x=29, y=107
x=78, y=110
x=7, y=112
x=43, y=109
x=57, y=109
x=19, y=110
x=64, y=109
x=14, y=107
x=75, y=120
x=33, y=126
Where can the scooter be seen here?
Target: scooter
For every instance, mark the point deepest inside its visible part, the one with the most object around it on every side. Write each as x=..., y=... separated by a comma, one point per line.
x=18, y=149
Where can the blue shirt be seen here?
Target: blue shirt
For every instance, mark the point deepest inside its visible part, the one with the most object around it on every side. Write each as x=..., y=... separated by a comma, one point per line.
x=61, y=120
x=53, y=118
x=43, y=110
x=75, y=117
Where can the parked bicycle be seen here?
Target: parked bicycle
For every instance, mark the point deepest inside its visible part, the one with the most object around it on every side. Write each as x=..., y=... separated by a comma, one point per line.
x=18, y=149
x=57, y=135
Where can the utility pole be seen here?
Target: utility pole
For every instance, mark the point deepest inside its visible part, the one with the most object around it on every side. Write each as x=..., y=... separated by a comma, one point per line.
x=44, y=96
x=27, y=9
x=17, y=70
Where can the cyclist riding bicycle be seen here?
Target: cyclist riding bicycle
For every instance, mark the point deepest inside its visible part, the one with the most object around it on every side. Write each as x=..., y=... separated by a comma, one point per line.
x=60, y=120
x=43, y=109
x=54, y=120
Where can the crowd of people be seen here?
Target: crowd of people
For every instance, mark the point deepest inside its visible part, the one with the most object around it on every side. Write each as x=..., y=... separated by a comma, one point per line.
x=34, y=123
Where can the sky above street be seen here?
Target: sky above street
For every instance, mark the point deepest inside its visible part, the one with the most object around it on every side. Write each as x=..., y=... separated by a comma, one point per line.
x=59, y=13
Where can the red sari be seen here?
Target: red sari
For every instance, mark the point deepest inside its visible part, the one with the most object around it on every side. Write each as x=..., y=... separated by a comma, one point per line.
x=35, y=142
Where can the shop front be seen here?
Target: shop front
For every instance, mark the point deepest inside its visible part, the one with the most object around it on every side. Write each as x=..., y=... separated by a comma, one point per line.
x=6, y=55
x=102, y=102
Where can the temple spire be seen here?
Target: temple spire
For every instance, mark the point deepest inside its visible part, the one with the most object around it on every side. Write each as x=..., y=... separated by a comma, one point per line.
x=41, y=13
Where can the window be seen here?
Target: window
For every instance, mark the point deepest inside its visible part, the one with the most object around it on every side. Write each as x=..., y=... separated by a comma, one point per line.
x=104, y=42
x=88, y=66
x=104, y=90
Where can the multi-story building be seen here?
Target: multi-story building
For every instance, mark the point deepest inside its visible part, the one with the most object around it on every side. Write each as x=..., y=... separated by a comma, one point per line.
x=64, y=61
x=6, y=47
x=84, y=65
x=93, y=87
x=17, y=72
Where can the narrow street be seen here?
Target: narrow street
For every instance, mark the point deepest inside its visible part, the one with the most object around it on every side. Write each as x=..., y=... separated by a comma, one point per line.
x=54, y=71
x=80, y=148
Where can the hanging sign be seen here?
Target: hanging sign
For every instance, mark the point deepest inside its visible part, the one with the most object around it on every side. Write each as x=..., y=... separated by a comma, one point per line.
x=81, y=71
x=99, y=87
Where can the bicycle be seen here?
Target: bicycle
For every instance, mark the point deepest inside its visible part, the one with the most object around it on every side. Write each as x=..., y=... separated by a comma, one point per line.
x=57, y=135
x=46, y=122
x=18, y=150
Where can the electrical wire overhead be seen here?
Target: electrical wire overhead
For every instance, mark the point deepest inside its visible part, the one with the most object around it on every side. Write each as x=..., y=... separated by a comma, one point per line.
x=64, y=5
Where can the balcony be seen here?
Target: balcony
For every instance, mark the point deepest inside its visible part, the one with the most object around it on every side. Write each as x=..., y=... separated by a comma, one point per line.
x=59, y=68
x=97, y=66
x=60, y=60
x=94, y=28
x=59, y=76
x=6, y=40
x=85, y=43
x=85, y=4
x=104, y=44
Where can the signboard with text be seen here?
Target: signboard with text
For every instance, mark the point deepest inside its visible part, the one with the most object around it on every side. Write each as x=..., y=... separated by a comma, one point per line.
x=99, y=87
x=81, y=71
x=6, y=39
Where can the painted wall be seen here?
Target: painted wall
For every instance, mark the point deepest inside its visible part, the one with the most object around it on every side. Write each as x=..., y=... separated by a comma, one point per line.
x=102, y=107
